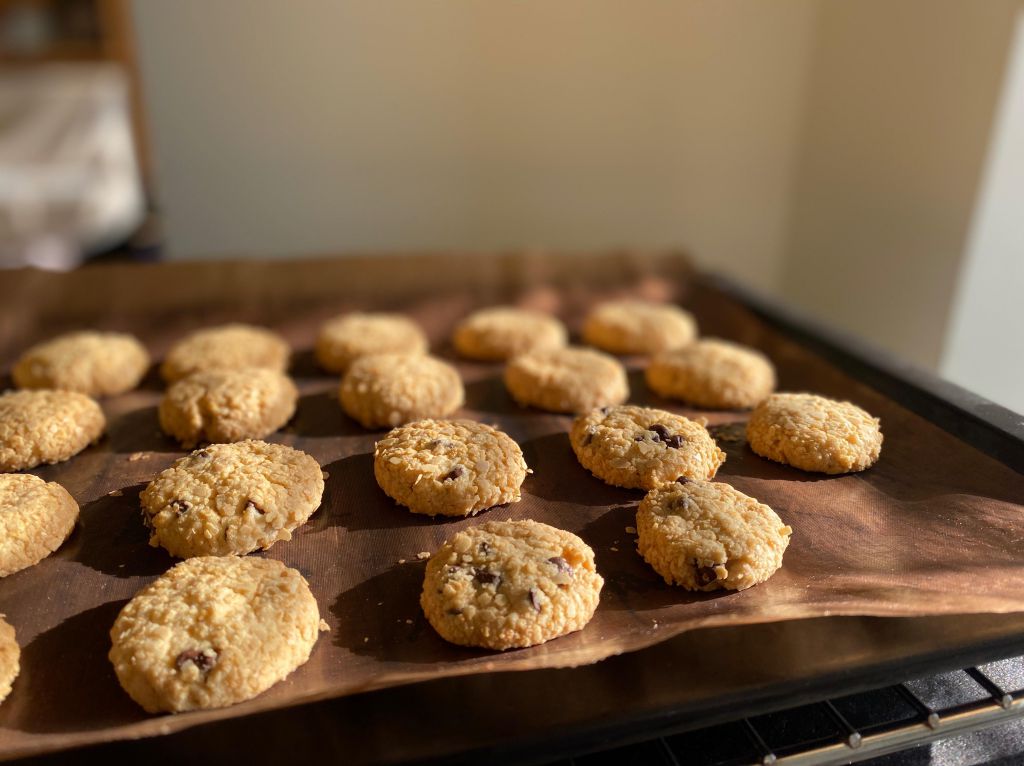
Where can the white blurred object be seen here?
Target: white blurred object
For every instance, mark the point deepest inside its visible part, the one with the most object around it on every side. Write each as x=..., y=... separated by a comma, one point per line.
x=69, y=178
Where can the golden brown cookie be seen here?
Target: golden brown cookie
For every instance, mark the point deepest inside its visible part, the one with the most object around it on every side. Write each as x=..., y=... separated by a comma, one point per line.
x=213, y=631
x=642, y=447
x=813, y=433
x=35, y=518
x=10, y=656
x=706, y=535
x=46, y=427
x=638, y=327
x=91, y=363
x=510, y=584
x=712, y=373
x=566, y=380
x=227, y=347
x=227, y=405
x=392, y=389
x=498, y=334
x=344, y=339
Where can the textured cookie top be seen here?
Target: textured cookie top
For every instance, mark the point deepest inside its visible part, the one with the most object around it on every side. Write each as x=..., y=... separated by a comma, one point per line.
x=708, y=535
x=93, y=363
x=813, y=433
x=497, y=334
x=449, y=467
x=213, y=631
x=566, y=379
x=35, y=518
x=392, y=389
x=344, y=339
x=230, y=346
x=713, y=373
x=231, y=498
x=227, y=405
x=46, y=427
x=643, y=447
x=638, y=327
x=508, y=584
x=10, y=656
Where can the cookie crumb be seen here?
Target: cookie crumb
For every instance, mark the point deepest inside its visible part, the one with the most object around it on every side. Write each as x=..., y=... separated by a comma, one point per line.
x=401, y=561
x=630, y=530
x=423, y=555
x=408, y=622
x=614, y=549
x=136, y=456
x=115, y=493
x=366, y=639
x=326, y=475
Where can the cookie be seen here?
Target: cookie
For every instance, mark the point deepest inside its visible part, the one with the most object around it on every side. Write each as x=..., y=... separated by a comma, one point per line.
x=10, y=656
x=46, y=427
x=638, y=327
x=35, y=518
x=392, y=389
x=813, y=433
x=227, y=405
x=344, y=339
x=213, y=631
x=566, y=380
x=712, y=373
x=706, y=535
x=641, y=447
x=498, y=334
x=92, y=363
x=231, y=498
x=510, y=584
x=449, y=467
x=228, y=347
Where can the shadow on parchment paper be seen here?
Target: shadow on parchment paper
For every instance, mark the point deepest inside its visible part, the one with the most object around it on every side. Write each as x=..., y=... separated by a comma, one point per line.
x=320, y=415
x=152, y=381
x=386, y=609
x=114, y=539
x=558, y=475
x=489, y=395
x=352, y=484
x=72, y=656
x=303, y=366
x=139, y=431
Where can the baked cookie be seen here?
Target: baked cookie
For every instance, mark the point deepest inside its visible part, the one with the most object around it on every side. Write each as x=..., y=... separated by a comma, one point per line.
x=641, y=447
x=392, y=389
x=213, y=631
x=566, y=380
x=231, y=498
x=510, y=584
x=498, y=334
x=46, y=427
x=227, y=405
x=227, y=347
x=344, y=339
x=449, y=467
x=92, y=363
x=712, y=373
x=638, y=327
x=35, y=518
x=10, y=656
x=706, y=535
x=813, y=433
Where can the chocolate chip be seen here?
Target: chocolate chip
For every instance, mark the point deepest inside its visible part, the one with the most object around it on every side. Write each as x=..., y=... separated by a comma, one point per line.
x=202, y=454
x=181, y=507
x=682, y=480
x=251, y=506
x=485, y=548
x=455, y=473
x=588, y=435
x=660, y=430
x=675, y=441
x=484, y=577
x=454, y=611
x=440, y=443
x=534, y=601
x=705, y=575
x=204, y=659
x=562, y=564
x=605, y=410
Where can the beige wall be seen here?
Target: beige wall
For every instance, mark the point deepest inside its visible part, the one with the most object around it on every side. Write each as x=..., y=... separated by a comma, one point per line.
x=289, y=128
x=899, y=112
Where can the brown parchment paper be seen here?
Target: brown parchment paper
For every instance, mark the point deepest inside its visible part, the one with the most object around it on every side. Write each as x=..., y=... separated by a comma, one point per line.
x=935, y=527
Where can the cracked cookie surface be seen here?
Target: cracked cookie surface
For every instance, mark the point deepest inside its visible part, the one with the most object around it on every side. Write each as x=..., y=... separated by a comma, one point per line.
x=510, y=584
x=714, y=374
x=706, y=535
x=500, y=333
x=46, y=427
x=643, y=447
x=226, y=347
x=638, y=327
x=392, y=389
x=345, y=338
x=36, y=517
x=231, y=499
x=91, y=363
x=566, y=380
x=213, y=631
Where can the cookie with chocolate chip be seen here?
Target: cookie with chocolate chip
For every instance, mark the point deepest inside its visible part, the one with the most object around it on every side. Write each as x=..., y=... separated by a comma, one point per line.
x=566, y=380
x=213, y=631
x=500, y=333
x=713, y=373
x=510, y=584
x=449, y=467
x=392, y=389
x=91, y=363
x=231, y=499
x=36, y=517
x=226, y=347
x=345, y=338
x=227, y=405
x=643, y=447
x=706, y=535
x=638, y=327
x=46, y=427
x=10, y=658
